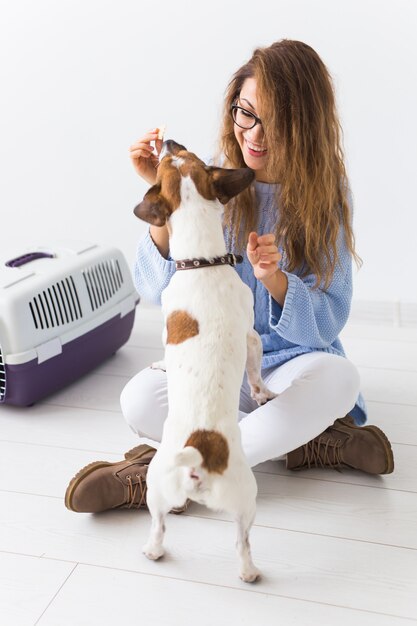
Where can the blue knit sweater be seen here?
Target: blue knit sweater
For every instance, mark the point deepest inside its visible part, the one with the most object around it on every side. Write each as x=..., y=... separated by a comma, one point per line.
x=310, y=320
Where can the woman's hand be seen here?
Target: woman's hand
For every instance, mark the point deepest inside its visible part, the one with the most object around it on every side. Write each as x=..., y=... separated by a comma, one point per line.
x=263, y=255
x=144, y=159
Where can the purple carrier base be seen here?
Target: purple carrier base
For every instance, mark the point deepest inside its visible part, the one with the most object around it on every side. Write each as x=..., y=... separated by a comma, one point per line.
x=32, y=381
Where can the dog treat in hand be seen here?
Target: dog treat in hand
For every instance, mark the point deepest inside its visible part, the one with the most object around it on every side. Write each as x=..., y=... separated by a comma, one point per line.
x=161, y=132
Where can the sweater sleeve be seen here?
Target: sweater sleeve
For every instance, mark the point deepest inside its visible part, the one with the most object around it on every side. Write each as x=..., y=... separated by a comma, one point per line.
x=152, y=272
x=311, y=316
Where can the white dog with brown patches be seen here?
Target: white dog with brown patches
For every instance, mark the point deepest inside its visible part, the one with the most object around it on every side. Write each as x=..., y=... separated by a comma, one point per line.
x=209, y=339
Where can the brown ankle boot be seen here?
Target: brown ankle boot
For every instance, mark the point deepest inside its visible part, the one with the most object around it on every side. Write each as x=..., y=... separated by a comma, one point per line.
x=136, y=452
x=132, y=454
x=344, y=444
x=102, y=485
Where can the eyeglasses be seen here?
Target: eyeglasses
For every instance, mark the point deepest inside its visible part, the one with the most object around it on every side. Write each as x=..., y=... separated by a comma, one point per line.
x=243, y=118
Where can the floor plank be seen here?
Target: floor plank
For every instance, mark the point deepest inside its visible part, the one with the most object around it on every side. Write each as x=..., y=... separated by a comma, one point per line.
x=27, y=586
x=296, y=565
x=94, y=430
x=91, y=596
x=387, y=385
x=69, y=453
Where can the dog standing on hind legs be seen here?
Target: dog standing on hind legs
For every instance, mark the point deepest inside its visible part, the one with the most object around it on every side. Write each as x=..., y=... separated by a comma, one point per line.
x=209, y=340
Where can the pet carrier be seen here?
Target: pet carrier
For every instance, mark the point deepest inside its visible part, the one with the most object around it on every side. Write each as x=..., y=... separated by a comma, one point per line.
x=63, y=310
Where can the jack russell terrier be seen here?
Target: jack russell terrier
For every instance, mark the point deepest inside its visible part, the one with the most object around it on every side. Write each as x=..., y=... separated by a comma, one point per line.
x=209, y=339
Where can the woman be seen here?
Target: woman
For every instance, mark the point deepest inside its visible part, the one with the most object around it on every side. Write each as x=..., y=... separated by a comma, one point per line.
x=294, y=224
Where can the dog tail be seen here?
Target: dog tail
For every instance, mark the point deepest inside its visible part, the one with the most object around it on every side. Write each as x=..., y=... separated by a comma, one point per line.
x=189, y=457
x=207, y=449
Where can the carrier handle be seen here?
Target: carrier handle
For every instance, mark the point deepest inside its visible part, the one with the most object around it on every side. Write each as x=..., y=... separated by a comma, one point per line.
x=27, y=258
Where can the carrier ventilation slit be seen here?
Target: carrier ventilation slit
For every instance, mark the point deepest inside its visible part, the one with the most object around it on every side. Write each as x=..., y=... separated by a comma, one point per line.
x=67, y=300
x=33, y=315
x=102, y=281
x=63, y=303
x=56, y=305
x=76, y=296
x=2, y=378
x=51, y=300
x=54, y=289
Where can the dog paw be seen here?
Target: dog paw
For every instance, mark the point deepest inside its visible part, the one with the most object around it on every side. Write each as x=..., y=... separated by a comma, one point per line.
x=262, y=395
x=153, y=552
x=159, y=365
x=250, y=575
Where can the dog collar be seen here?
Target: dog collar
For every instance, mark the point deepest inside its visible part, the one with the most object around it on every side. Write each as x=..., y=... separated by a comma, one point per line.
x=192, y=264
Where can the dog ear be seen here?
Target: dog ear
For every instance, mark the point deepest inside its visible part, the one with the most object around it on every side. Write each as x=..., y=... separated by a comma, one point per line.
x=154, y=208
x=228, y=183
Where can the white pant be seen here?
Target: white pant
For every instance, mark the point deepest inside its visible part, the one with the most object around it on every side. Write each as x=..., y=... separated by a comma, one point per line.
x=314, y=389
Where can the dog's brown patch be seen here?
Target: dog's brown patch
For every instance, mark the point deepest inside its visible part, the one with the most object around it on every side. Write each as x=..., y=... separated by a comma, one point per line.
x=170, y=180
x=153, y=209
x=213, y=447
x=180, y=327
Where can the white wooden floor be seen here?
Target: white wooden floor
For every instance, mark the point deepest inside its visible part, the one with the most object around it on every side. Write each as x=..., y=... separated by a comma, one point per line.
x=333, y=548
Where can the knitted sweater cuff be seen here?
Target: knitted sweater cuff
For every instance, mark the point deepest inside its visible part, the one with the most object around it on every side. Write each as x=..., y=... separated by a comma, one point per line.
x=161, y=264
x=152, y=271
x=280, y=317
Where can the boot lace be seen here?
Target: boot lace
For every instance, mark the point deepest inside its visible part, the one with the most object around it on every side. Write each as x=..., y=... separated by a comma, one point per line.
x=323, y=452
x=133, y=489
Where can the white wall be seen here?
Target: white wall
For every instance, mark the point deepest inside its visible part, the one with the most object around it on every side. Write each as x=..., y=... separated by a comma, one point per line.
x=82, y=79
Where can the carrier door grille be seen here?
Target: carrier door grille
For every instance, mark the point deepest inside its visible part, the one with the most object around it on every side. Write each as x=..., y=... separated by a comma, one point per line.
x=56, y=305
x=2, y=378
x=102, y=280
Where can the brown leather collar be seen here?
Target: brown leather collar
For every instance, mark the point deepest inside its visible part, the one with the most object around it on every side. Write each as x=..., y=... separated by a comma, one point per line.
x=192, y=264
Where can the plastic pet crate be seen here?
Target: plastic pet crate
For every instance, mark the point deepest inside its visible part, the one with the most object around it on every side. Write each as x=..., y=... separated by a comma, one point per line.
x=63, y=310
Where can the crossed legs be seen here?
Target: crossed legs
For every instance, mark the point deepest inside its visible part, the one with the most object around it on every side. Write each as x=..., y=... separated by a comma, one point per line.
x=313, y=390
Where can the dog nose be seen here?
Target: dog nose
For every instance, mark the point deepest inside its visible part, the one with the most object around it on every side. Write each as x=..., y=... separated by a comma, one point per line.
x=172, y=147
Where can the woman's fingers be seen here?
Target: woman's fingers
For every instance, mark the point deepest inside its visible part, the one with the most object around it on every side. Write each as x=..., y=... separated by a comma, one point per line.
x=270, y=255
x=256, y=240
x=141, y=152
x=263, y=254
x=262, y=250
x=143, y=156
x=145, y=141
x=151, y=135
x=266, y=240
x=269, y=260
x=252, y=242
x=141, y=146
x=267, y=250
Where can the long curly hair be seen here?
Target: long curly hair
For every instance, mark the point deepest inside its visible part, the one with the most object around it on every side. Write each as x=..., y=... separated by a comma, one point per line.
x=303, y=135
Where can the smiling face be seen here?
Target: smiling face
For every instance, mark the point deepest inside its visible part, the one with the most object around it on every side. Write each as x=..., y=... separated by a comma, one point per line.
x=252, y=140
